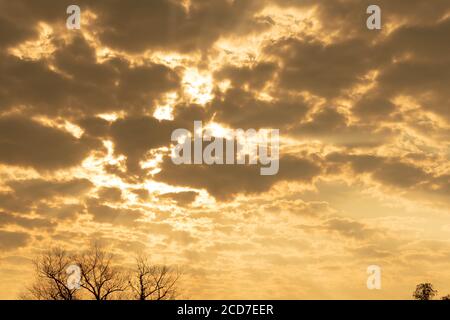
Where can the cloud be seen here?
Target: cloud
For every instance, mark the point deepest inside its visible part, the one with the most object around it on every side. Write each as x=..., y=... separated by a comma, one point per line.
x=377, y=107
x=11, y=33
x=94, y=126
x=134, y=136
x=364, y=125
x=7, y=219
x=347, y=19
x=400, y=174
x=111, y=215
x=19, y=19
x=429, y=88
x=10, y=240
x=60, y=212
x=110, y=194
x=27, y=143
x=322, y=69
x=168, y=25
x=240, y=109
x=77, y=84
x=38, y=189
x=411, y=176
x=389, y=171
x=181, y=198
x=333, y=127
x=255, y=76
x=225, y=181
x=45, y=197
x=349, y=228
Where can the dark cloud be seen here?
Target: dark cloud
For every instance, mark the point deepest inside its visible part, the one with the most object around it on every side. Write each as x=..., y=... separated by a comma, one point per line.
x=138, y=25
x=164, y=24
x=78, y=60
x=19, y=19
x=420, y=70
x=142, y=194
x=32, y=84
x=39, y=189
x=81, y=86
x=388, y=171
x=185, y=114
x=139, y=84
x=323, y=69
x=94, y=126
x=181, y=198
x=376, y=107
x=426, y=83
x=348, y=18
x=400, y=174
x=60, y=211
x=7, y=219
x=110, y=194
x=9, y=202
x=12, y=33
x=421, y=42
x=111, y=215
x=332, y=126
x=240, y=109
x=255, y=76
x=29, y=144
x=226, y=181
x=10, y=240
x=133, y=137
x=40, y=196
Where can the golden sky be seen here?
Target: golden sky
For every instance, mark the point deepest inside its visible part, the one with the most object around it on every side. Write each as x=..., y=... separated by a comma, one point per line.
x=86, y=118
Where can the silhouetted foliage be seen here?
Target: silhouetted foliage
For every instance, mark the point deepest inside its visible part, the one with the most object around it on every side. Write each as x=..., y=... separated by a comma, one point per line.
x=424, y=291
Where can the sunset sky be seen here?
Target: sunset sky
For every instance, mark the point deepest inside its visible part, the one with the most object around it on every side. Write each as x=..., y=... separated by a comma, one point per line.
x=86, y=118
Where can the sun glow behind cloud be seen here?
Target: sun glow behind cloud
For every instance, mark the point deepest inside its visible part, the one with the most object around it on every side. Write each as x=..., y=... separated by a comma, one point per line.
x=37, y=49
x=198, y=86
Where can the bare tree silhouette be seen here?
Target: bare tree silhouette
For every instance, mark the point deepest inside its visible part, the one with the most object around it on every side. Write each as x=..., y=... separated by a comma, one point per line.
x=51, y=277
x=153, y=282
x=99, y=276
x=424, y=291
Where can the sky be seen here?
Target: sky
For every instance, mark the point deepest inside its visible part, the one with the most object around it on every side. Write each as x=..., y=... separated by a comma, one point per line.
x=86, y=118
